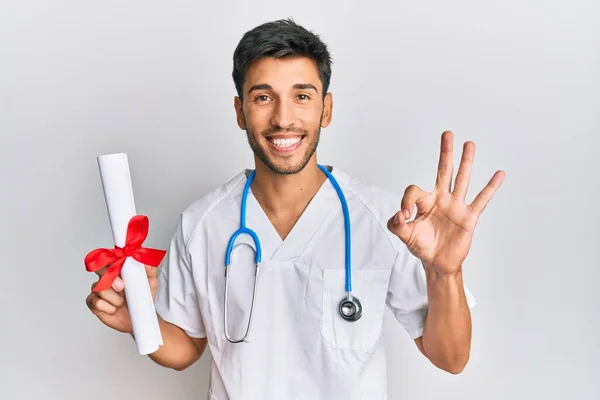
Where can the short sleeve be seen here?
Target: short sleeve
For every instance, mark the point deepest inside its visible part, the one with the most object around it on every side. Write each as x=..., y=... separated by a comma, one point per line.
x=407, y=293
x=176, y=296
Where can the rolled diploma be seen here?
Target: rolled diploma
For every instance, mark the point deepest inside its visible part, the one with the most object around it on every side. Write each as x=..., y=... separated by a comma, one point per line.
x=118, y=193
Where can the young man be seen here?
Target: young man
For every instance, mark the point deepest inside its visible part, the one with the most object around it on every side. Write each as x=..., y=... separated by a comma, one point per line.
x=320, y=297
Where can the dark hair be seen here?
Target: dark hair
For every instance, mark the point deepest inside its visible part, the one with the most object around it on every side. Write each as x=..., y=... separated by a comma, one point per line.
x=280, y=39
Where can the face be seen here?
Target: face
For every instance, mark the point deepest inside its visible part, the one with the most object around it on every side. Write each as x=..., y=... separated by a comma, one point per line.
x=283, y=111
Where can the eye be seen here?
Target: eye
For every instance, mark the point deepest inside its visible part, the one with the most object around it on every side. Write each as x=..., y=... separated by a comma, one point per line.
x=262, y=97
x=303, y=97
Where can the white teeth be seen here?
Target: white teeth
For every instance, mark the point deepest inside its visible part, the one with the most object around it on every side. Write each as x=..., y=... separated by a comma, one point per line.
x=285, y=142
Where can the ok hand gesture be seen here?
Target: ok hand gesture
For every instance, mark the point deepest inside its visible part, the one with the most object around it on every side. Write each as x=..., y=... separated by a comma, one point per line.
x=442, y=231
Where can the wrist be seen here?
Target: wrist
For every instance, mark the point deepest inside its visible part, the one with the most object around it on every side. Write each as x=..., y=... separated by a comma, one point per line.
x=447, y=285
x=442, y=273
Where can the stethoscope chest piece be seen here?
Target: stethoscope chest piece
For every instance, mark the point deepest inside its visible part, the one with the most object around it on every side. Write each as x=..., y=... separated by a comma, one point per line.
x=350, y=308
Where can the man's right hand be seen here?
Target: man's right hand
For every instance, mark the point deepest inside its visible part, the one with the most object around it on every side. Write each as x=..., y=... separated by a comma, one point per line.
x=110, y=305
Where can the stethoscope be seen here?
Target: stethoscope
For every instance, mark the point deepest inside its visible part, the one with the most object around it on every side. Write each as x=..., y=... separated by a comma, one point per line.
x=350, y=307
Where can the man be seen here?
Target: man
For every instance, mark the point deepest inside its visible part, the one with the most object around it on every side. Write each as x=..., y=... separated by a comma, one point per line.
x=309, y=337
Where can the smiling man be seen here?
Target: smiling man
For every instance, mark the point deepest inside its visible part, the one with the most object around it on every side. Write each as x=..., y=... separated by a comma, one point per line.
x=282, y=107
x=301, y=317
x=280, y=128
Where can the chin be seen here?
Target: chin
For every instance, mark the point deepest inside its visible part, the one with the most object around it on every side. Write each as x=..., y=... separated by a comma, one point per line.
x=285, y=168
x=278, y=161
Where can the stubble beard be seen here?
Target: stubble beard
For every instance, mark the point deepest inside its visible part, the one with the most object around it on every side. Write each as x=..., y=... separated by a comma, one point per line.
x=261, y=154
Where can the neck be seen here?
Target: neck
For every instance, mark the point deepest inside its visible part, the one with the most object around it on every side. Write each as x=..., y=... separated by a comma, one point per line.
x=285, y=195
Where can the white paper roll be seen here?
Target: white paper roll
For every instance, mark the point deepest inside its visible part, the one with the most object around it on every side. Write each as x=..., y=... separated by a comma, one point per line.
x=118, y=193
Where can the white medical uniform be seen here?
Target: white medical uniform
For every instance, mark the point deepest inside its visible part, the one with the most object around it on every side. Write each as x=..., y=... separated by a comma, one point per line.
x=300, y=347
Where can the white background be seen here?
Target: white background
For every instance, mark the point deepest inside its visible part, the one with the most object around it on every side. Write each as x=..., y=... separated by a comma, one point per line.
x=153, y=79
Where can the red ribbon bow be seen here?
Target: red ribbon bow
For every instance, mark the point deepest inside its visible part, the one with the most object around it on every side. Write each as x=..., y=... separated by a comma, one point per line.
x=137, y=231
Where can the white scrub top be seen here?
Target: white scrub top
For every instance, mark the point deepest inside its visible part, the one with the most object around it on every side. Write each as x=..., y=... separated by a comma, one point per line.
x=300, y=347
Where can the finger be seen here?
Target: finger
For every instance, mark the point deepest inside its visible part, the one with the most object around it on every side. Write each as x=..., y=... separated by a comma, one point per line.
x=463, y=176
x=151, y=271
x=98, y=305
x=398, y=226
x=118, y=284
x=101, y=271
x=484, y=197
x=114, y=298
x=153, y=283
x=444, y=175
x=412, y=195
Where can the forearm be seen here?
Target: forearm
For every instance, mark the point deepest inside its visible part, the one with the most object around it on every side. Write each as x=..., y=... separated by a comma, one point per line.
x=178, y=350
x=447, y=332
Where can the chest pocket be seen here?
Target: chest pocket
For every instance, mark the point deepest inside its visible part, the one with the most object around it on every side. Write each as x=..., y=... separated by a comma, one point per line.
x=370, y=287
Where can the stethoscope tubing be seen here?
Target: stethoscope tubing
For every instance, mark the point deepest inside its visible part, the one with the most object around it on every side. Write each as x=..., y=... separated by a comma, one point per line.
x=243, y=229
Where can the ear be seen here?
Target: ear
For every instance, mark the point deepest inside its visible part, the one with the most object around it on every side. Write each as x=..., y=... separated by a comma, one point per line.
x=239, y=111
x=327, y=110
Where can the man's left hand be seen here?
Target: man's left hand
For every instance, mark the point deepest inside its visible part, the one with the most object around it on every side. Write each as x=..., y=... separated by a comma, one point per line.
x=441, y=233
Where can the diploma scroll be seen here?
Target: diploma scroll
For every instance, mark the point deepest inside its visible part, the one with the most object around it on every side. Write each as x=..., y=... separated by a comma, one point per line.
x=120, y=203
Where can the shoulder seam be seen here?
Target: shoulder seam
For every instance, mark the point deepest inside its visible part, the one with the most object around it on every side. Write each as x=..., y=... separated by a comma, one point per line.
x=375, y=216
x=211, y=206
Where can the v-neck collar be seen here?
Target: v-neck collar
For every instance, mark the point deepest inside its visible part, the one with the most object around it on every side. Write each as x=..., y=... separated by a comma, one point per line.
x=276, y=249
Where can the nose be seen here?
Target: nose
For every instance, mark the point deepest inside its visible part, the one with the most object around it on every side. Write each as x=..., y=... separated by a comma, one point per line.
x=283, y=115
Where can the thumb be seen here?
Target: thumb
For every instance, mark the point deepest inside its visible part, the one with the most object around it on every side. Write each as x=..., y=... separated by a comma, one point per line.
x=399, y=227
x=151, y=271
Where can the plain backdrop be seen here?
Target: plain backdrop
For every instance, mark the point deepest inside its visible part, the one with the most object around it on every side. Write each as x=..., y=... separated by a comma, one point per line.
x=153, y=79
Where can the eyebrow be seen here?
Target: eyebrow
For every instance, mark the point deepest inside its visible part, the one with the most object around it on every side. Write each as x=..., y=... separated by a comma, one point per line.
x=265, y=86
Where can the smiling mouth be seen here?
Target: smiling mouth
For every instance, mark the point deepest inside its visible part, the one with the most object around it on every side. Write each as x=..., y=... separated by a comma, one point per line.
x=285, y=144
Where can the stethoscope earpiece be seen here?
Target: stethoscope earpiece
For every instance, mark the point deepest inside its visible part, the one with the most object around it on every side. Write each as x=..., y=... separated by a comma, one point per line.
x=350, y=308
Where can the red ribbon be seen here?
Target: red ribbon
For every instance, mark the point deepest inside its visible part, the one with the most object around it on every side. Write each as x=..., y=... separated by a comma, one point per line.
x=137, y=231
